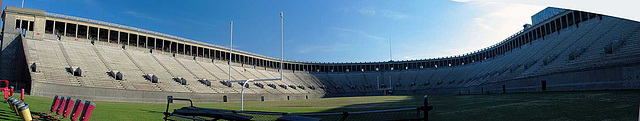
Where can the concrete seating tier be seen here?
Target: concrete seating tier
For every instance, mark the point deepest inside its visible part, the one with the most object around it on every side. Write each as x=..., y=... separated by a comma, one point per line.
x=149, y=65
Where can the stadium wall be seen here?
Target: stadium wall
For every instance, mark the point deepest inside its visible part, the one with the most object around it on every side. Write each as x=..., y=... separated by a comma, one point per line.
x=122, y=95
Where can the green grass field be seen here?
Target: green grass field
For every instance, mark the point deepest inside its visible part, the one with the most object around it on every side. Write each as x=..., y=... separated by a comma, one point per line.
x=588, y=105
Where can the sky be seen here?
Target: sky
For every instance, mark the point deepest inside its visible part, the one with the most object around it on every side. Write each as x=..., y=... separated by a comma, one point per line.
x=319, y=30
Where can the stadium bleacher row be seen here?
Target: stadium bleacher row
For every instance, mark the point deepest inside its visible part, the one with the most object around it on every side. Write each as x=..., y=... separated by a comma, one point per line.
x=55, y=57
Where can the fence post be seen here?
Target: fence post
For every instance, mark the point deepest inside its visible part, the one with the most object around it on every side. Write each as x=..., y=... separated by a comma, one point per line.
x=426, y=105
x=344, y=116
x=22, y=94
x=418, y=112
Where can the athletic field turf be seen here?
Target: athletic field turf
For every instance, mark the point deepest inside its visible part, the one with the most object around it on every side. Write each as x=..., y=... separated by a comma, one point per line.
x=588, y=105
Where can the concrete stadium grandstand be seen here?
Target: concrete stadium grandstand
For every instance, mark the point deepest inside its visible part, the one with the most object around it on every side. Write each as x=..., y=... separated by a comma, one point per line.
x=52, y=54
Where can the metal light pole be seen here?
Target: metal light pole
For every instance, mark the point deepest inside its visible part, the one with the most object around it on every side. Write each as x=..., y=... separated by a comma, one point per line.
x=390, y=54
x=231, y=52
x=281, y=43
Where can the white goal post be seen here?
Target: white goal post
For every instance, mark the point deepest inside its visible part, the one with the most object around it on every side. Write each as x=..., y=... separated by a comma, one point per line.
x=244, y=83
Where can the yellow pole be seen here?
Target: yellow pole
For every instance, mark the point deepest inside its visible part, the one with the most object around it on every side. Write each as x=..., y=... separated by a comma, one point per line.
x=16, y=107
x=26, y=114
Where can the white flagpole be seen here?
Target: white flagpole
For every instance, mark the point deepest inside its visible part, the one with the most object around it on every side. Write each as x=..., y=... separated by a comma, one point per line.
x=230, y=51
x=281, y=44
x=390, y=54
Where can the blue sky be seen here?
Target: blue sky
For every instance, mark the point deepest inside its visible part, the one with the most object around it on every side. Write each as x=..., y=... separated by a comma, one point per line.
x=317, y=31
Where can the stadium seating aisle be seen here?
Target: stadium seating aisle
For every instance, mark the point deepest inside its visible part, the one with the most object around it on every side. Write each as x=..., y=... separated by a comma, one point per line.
x=313, y=83
x=174, y=69
x=278, y=84
x=37, y=76
x=296, y=82
x=266, y=84
x=195, y=69
x=51, y=63
x=93, y=69
x=285, y=82
x=341, y=81
x=536, y=58
x=354, y=82
x=221, y=75
x=330, y=85
x=630, y=47
x=178, y=70
x=245, y=72
x=198, y=72
x=237, y=75
x=599, y=32
x=548, y=45
x=149, y=65
x=248, y=72
x=594, y=57
x=438, y=77
x=118, y=60
x=461, y=78
x=272, y=84
x=403, y=80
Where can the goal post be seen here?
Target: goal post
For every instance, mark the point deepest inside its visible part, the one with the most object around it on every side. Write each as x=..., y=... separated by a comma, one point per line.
x=244, y=83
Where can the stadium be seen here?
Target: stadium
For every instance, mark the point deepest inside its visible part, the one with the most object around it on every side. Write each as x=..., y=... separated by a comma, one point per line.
x=564, y=51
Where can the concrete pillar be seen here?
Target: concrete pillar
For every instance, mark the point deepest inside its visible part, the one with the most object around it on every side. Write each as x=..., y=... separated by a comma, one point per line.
x=77, y=29
x=54, y=27
x=138, y=40
x=566, y=19
x=215, y=53
x=108, y=35
x=579, y=16
x=519, y=41
x=88, y=32
x=170, y=46
x=118, y=38
x=65, y=29
x=129, y=39
x=155, y=43
x=146, y=42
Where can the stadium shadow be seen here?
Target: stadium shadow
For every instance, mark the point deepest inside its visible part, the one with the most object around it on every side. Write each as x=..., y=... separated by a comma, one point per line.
x=152, y=111
x=381, y=102
x=407, y=108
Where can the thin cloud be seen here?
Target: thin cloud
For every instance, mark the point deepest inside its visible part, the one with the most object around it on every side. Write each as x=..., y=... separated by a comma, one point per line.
x=462, y=1
x=495, y=22
x=359, y=33
x=382, y=12
x=142, y=16
x=499, y=22
x=335, y=47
